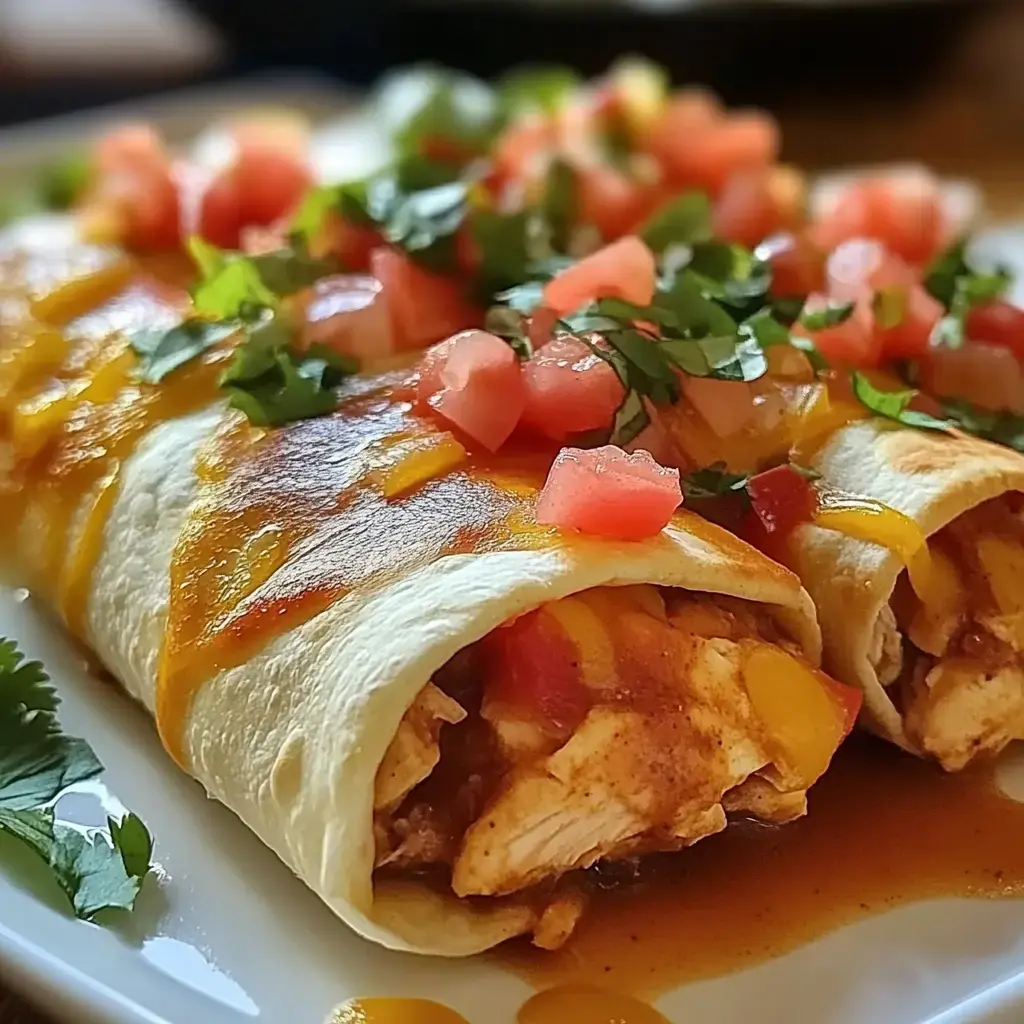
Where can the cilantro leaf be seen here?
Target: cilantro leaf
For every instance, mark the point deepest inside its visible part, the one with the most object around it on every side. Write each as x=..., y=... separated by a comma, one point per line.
x=62, y=182
x=1004, y=428
x=163, y=351
x=38, y=762
x=273, y=385
x=502, y=243
x=713, y=481
x=541, y=89
x=630, y=419
x=959, y=287
x=236, y=286
x=424, y=223
x=560, y=203
x=510, y=326
x=831, y=315
x=723, y=358
x=894, y=405
x=684, y=220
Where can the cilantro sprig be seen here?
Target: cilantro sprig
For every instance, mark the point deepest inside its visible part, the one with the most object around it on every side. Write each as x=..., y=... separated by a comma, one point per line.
x=97, y=871
x=959, y=286
x=895, y=405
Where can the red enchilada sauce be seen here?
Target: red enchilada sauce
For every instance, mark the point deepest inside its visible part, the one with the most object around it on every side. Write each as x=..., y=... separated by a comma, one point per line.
x=288, y=525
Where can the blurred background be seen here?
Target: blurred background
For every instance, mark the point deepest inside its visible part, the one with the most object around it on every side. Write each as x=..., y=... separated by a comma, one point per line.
x=851, y=80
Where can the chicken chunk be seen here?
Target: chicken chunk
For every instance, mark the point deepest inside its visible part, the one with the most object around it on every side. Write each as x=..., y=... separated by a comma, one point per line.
x=760, y=798
x=625, y=777
x=959, y=709
x=414, y=750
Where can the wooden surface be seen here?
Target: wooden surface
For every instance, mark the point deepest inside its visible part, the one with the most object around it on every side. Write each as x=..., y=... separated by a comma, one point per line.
x=968, y=122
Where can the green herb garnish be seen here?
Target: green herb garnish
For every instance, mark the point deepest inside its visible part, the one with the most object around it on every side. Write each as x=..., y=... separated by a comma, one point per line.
x=37, y=763
x=713, y=481
x=1004, y=428
x=542, y=89
x=684, y=220
x=830, y=316
x=895, y=405
x=163, y=351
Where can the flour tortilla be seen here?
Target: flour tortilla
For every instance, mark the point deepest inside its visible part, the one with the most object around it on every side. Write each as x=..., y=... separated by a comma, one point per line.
x=929, y=476
x=291, y=740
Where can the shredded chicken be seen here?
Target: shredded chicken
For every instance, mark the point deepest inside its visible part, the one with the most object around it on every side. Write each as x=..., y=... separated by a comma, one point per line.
x=414, y=750
x=670, y=743
x=622, y=774
x=962, y=691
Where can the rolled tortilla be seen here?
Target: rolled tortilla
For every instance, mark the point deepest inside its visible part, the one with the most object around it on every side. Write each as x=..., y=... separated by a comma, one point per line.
x=281, y=609
x=942, y=671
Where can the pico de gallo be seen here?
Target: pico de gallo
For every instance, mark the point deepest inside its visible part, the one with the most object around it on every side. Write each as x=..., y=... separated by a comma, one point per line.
x=622, y=272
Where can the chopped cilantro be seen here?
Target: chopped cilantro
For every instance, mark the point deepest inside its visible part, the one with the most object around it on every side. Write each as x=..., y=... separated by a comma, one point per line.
x=895, y=405
x=273, y=384
x=684, y=220
x=37, y=763
x=1004, y=428
x=162, y=351
x=959, y=286
x=542, y=89
x=713, y=481
x=831, y=315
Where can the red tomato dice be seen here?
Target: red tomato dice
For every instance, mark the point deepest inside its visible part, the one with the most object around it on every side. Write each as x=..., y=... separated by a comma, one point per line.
x=270, y=182
x=988, y=376
x=861, y=266
x=348, y=313
x=481, y=388
x=684, y=111
x=428, y=372
x=999, y=323
x=910, y=338
x=853, y=342
x=625, y=270
x=905, y=211
x=569, y=390
x=607, y=493
x=609, y=200
x=533, y=669
x=798, y=265
x=352, y=244
x=707, y=155
x=757, y=203
x=782, y=499
x=425, y=307
x=220, y=212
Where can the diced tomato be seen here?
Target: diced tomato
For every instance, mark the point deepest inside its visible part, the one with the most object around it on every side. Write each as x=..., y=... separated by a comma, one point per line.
x=130, y=147
x=605, y=492
x=569, y=390
x=850, y=343
x=625, y=269
x=270, y=181
x=428, y=372
x=220, y=212
x=424, y=307
x=542, y=326
x=988, y=376
x=798, y=265
x=782, y=499
x=609, y=200
x=904, y=211
x=348, y=313
x=135, y=189
x=910, y=338
x=482, y=388
x=726, y=406
x=707, y=155
x=999, y=323
x=861, y=266
x=352, y=244
x=683, y=112
x=757, y=203
x=533, y=668
x=520, y=151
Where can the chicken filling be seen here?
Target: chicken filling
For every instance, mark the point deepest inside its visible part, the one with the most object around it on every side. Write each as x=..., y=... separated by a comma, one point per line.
x=958, y=678
x=601, y=727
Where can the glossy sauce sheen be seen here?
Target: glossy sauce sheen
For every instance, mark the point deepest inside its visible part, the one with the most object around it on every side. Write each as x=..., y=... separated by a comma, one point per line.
x=755, y=892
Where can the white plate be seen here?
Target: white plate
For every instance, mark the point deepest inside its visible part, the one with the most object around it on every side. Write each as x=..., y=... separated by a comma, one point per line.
x=228, y=935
